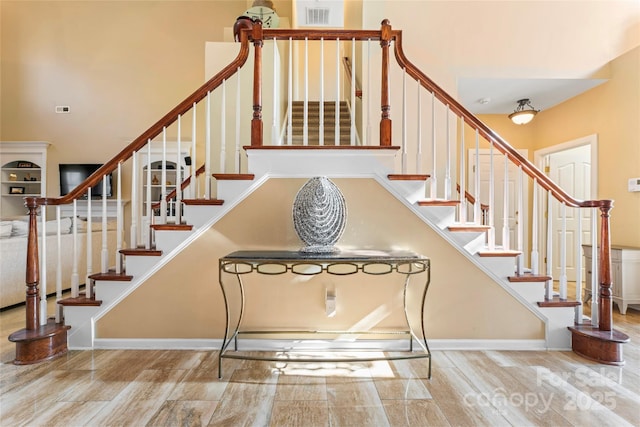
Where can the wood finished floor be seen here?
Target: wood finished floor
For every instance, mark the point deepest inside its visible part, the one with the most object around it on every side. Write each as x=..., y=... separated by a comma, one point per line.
x=180, y=388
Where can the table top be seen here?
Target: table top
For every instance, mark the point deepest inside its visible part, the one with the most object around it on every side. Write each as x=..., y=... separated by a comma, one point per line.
x=346, y=256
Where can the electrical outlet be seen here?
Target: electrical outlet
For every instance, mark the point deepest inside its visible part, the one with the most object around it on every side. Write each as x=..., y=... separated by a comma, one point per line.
x=634, y=185
x=63, y=109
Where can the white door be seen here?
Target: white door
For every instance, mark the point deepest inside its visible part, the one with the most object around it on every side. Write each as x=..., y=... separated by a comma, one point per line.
x=500, y=196
x=571, y=170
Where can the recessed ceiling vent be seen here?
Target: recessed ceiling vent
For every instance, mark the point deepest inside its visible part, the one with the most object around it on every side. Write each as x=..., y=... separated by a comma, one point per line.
x=319, y=13
x=317, y=16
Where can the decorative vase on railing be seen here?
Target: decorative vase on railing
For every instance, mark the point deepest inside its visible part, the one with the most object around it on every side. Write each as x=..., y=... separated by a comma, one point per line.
x=319, y=215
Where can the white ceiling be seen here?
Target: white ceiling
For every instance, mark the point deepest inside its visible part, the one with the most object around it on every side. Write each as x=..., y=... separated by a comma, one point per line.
x=503, y=94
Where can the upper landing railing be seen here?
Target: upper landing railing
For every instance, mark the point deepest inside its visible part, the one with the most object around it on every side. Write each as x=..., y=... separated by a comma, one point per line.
x=435, y=134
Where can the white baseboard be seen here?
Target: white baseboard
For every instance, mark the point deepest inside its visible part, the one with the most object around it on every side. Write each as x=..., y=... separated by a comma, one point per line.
x=279, y=345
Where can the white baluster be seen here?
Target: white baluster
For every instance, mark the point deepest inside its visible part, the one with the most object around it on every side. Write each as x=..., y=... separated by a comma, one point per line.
x=88, y=287
x=549, y=284
x=367, y=96
x=58, y=311
x=163, y=183
x=149, y=236
x=194, y=158
x=275, y=140
x=353, y=91
x=491, y=237
x=290, y=95
x=305, y=101
x=177, y=207
x=238, y=153
x=223, y=128
x=535, y=268
x=104, y=254
x=578, y=253
x=119, y=221
x=520, y=223
x=404, y=120
x=419, y=130
x=75, y=278
x=447, y=171
x=595, y=270
x=135, y=213
x=563, y=252
x=463, y=176
x=477, y=211
x=337, y=102
x=207, y=150
x=506, y=244
x=321, y=125
x=43, y=267
x=433, y=179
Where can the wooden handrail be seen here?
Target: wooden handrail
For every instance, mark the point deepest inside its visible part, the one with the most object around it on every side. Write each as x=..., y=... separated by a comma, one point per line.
x=347, y=67
x=154, y=130
x=489, y=134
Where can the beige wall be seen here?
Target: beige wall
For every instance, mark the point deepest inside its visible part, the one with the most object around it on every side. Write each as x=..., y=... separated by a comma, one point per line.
x=184, y=299
x=119, y=66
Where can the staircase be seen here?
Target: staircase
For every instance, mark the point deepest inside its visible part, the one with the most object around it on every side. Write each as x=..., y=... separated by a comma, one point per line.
x=462, y=220
x=314, y=121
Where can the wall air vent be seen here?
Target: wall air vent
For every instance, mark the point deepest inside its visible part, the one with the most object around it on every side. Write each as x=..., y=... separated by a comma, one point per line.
x=317, y=16
x=319, y=13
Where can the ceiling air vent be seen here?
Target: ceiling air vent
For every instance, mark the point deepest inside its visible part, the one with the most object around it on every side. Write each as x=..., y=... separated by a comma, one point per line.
x=317, y=16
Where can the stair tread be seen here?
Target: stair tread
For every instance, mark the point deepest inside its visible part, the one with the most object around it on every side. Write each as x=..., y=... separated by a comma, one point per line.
x=50, y=329
x=529, y=277
x=407, y=177
x=111, y=276
x=141, y=252
x=499, y=253
x=176, y=227
x=233, y=176
x=468, y=227
x=202, y=202
x=593, y=331
x=438, y=202
x=557, y=302
x=80, y=301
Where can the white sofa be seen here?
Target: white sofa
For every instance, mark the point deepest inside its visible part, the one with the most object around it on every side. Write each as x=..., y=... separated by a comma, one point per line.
x=13, y=255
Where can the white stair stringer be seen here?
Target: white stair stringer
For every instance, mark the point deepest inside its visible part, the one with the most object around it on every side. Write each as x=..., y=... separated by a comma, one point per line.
x=82, y=319
x=556, y=319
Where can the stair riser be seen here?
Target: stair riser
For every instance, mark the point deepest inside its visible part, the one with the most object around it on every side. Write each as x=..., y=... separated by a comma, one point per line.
x=168, y=240
x=80, y=336
x=440, y=216
x=200, y=215
x=138, y=265
x=230, y=190
x=110, y=291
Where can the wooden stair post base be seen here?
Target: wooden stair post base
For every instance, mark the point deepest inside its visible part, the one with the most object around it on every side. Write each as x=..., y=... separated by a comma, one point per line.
x=600, y=346
x=41, y=344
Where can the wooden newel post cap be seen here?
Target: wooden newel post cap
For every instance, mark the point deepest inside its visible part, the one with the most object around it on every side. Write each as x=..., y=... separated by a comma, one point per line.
x=242, y=23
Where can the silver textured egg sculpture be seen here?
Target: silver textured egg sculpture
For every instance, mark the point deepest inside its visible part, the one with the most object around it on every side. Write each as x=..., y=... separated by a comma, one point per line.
x=319, y=215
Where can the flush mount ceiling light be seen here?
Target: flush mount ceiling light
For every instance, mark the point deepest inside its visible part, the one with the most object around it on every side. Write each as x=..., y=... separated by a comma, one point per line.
x=524, y=112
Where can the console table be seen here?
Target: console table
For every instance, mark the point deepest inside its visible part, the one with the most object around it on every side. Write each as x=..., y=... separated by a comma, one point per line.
x=374, y=262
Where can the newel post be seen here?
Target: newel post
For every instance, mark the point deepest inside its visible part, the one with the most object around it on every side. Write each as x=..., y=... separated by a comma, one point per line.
x=256, y=122
x=32, y=277
x=605, y=301
x=385, y=104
